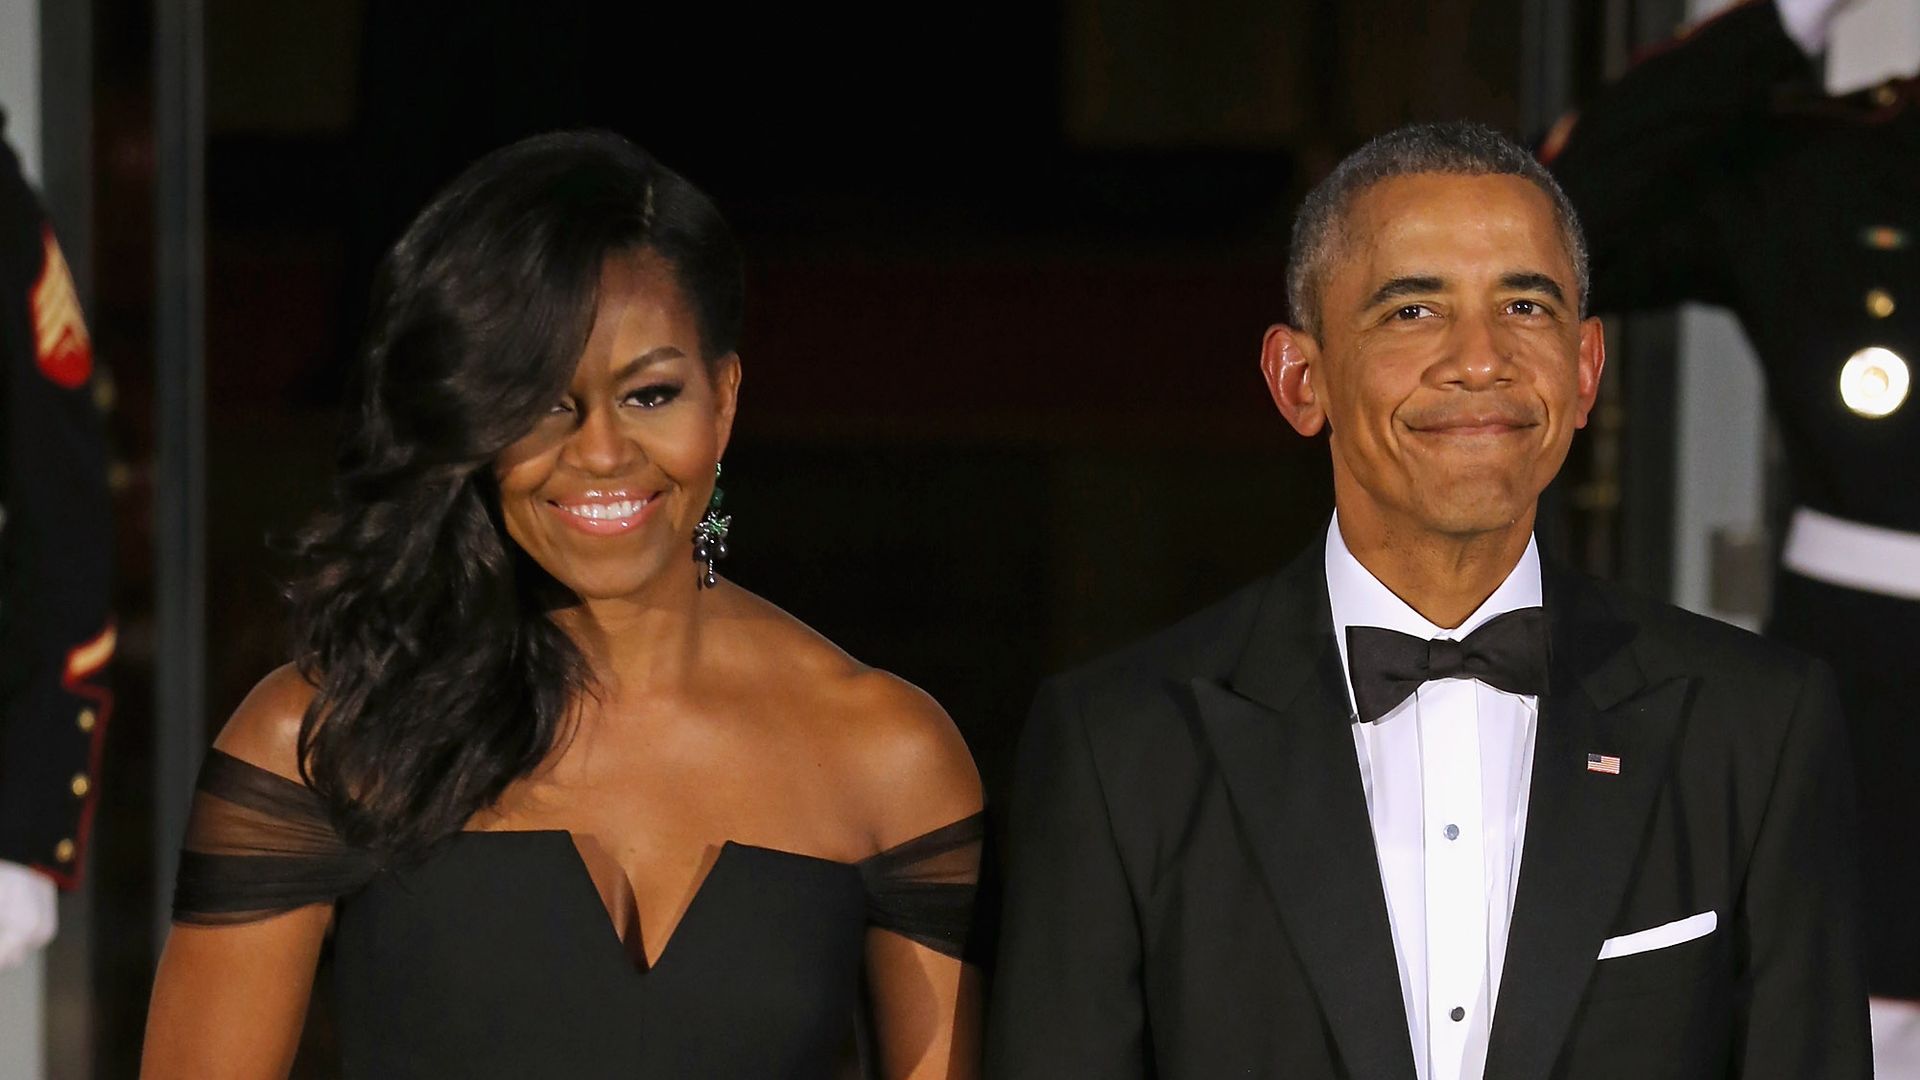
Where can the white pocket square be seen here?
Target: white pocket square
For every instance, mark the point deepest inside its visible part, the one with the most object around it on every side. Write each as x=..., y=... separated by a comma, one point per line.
x=1664, y=936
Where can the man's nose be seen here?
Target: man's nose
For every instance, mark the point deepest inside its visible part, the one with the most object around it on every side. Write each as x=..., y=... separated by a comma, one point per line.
x=1479, y=357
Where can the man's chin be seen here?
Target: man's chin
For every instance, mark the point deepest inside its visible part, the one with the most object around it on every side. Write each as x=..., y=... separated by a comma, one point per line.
x=1470, y=515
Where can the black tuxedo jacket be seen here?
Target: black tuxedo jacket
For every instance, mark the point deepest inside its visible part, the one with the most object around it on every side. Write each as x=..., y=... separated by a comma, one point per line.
x=1192, y=889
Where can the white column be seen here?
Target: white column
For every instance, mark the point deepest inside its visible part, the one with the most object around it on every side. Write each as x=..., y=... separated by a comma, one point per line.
x=23, y=1019
x=1720, y=449
x=20, y=79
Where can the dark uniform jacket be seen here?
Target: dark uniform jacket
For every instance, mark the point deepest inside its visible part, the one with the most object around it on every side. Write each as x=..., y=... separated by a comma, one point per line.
x=1193, y=891
x=1718, y=170
x=55, y=548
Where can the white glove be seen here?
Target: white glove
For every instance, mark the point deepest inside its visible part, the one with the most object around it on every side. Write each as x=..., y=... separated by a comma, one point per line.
x=29, y=913
x=1808, y=22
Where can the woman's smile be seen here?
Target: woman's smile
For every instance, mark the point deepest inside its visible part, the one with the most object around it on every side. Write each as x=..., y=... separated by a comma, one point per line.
x=605, y=513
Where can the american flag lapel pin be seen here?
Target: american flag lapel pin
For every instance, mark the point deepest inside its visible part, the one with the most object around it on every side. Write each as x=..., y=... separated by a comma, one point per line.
x=1603, y=763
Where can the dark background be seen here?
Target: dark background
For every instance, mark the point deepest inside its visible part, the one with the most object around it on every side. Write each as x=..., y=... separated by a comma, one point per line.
x=1009, y=267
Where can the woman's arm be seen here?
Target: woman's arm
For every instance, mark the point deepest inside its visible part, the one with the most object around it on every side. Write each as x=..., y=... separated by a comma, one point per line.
x=920, y=778
x=229, y=1001
x=926, y=1010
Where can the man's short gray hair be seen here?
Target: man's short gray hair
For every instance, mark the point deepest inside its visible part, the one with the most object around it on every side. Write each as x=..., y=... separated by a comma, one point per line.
x=1456, y=147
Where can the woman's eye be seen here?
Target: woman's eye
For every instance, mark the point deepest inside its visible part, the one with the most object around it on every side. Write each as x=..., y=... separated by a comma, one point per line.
x=560, y=407
x=652, y=397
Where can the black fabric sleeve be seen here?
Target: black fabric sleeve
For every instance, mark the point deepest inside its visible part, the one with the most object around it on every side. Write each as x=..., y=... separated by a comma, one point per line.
x=1068, y=997
x=1659, y=166
x=923, y=889
x=1805, y=1006
x=258, y=845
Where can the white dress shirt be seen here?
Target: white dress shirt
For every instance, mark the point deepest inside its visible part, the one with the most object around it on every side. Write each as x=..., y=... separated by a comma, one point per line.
x=1446, y=776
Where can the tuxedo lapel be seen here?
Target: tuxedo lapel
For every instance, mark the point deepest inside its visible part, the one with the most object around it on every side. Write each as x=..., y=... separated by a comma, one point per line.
x=1584, y=826
x=1280, y=732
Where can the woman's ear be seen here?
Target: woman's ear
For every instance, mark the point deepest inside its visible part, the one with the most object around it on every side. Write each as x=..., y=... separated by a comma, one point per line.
x=726, y=397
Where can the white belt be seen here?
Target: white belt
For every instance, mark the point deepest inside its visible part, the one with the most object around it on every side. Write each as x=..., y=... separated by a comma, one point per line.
x=1856, y=556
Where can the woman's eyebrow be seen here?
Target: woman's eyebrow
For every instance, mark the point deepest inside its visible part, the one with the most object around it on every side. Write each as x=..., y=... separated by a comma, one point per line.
x=646, y=359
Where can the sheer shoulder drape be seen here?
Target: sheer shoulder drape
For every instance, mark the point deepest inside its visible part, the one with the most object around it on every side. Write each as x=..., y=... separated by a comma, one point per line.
x=258, y=845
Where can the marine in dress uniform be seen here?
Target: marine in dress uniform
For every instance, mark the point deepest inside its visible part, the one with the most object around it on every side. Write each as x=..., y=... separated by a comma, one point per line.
x=55, y=549
x=1719, y=170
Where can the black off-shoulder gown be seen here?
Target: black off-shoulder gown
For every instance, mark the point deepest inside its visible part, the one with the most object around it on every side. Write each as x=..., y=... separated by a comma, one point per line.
x=493, y=956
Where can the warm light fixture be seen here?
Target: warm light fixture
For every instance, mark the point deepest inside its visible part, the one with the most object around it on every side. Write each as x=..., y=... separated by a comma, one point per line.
x=1874, y=382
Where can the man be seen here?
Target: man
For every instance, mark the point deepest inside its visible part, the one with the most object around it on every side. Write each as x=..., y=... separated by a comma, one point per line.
x=1421, y=806
x=1719, y=170
x=55, y=551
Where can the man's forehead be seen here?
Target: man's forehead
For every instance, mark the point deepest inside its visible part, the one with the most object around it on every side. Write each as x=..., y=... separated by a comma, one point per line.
x=1428, y=221
x=1430, y=201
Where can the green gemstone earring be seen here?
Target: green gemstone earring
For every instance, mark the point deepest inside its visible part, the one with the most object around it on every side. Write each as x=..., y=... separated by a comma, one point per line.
x=710, y=535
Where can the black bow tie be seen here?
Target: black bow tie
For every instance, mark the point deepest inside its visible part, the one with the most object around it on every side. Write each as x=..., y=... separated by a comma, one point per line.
x=1508, y=652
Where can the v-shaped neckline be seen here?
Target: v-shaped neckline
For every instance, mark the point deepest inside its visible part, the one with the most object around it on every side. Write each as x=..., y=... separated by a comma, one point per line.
x=308, y=805
x=641, y=966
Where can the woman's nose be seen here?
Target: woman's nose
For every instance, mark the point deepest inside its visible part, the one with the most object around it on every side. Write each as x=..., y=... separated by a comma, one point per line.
x=598, y=446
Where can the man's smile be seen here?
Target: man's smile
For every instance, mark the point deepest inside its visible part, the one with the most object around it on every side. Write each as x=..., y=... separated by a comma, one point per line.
x=1471, y=425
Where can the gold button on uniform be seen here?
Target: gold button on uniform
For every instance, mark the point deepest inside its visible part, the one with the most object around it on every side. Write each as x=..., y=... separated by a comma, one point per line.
x=1885, y=94
x=80, y=785
x=87, y=719
x=1879, y=303
x=63, y=851
x=1874, y=382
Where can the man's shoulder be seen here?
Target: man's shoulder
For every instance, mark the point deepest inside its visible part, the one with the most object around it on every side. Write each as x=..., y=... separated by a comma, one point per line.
x=1672, y=641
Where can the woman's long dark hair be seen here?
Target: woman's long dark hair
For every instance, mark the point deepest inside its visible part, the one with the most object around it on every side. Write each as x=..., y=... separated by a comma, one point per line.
x=441, y=677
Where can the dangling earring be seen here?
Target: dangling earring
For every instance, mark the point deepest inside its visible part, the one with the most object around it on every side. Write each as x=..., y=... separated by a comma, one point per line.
x=710, y=535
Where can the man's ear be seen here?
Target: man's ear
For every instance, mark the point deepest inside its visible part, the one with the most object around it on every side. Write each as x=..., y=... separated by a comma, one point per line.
x=1287, y=360
x=1592, y=361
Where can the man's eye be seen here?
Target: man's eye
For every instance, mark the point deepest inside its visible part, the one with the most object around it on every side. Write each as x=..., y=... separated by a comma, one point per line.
x=652, y=397
x=1526, y=307
x=1412, y=311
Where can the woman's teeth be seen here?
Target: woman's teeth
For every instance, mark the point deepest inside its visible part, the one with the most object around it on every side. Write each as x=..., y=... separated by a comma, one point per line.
x=613, y=511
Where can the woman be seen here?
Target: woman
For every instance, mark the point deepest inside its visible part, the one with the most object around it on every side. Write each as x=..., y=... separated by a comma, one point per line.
x=566, y=803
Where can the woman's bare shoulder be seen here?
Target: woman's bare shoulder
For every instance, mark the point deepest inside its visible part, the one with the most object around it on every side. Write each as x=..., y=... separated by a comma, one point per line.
x=265, y=729
x=902, y=759
x=910, y=759
x=770, y=636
